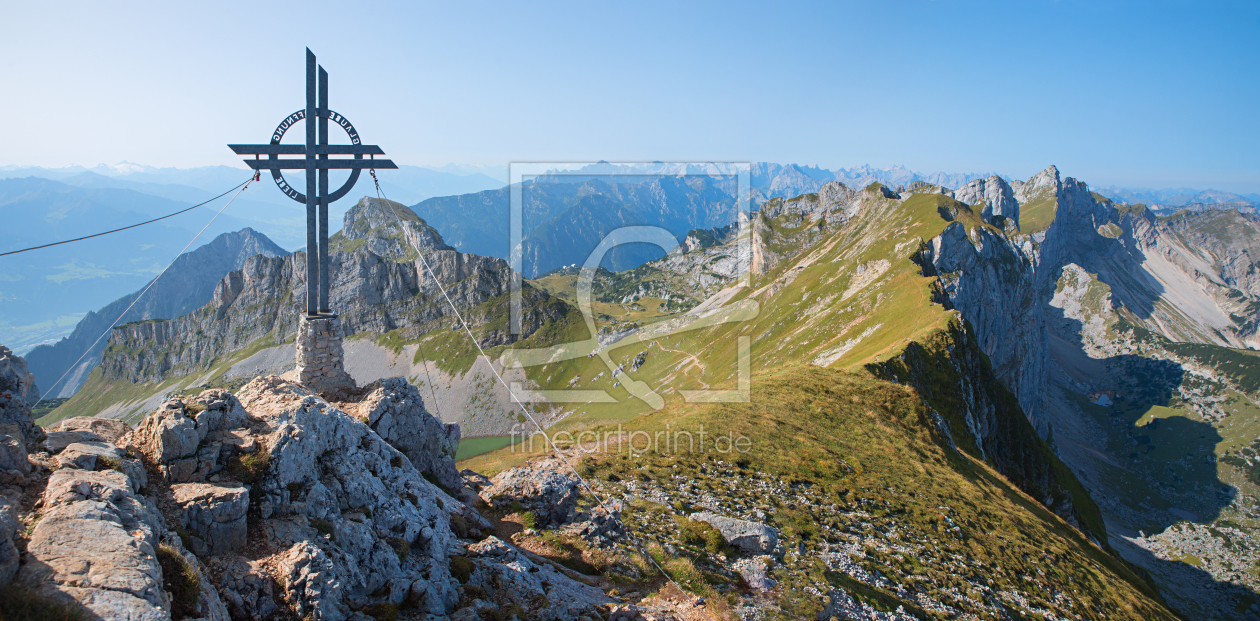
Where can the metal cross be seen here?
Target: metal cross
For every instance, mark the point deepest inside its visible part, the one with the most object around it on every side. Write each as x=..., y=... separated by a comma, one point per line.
x=317, y=165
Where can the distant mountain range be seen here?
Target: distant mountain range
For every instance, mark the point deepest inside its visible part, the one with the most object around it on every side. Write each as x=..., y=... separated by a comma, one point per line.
x=410, y=183
x=563, y=222
x=1178, y=197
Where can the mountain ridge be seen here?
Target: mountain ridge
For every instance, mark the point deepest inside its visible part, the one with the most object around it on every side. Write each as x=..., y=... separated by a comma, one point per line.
x=186, y=285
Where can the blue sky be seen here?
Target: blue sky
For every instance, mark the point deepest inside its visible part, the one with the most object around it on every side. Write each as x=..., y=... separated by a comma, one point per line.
x=1149, y=94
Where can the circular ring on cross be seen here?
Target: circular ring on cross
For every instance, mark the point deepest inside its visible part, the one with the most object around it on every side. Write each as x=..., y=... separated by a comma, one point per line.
x=292, y=120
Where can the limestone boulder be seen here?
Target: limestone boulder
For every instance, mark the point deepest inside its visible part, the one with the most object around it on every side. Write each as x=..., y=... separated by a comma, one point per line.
x=395, y=409
x=545, y=487
x=192, y=441
x=751, y=537
x=56, y=441
x=509, y=577
x=247, y=590
x=166, y=435
x=13, y=455
x=753, y=571
x=214, y=515
x=96, y=545
x=109, y=429
x=103, y=456
x=88, y=455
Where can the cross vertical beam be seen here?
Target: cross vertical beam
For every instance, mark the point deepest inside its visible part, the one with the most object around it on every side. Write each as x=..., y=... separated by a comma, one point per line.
x=312, y=241
x=323, y=193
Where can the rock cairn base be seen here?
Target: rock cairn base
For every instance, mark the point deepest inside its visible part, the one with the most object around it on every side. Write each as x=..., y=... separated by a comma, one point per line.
x=321, y=363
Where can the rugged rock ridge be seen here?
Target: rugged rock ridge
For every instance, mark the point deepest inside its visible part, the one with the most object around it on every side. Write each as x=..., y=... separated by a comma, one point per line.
x=370, y=293
x=1002, y=281
x=189, y=283
x=991, y=279
x=268, y=503
x=1107, y=302
x=985, y=270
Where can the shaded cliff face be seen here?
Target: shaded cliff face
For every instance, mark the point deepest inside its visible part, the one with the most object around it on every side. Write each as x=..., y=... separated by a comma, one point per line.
x=1124, y=337
x=188, y=284
x=258, y=305
x=991, y=280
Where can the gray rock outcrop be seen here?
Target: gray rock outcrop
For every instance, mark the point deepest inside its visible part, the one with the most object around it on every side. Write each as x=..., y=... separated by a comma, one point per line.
x=190, y=444
x=511, y=579
x=57, y=441
x=214, y=513
x=751, y=537
x=13, y=461
x=248, y=590
x=546, y=488
x=395, y=409
x=995, y=194
x=97, y=545
x=1045, y=184
x=600, y=527
x=15, y=377
x=329, y=477
x=17, y=386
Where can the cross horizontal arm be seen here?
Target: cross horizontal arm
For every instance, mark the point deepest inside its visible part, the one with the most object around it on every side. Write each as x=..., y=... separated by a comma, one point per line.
x=319, y=164
x=297, y=149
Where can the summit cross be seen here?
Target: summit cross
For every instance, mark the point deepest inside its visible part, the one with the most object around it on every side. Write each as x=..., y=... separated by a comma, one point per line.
x=316, y=163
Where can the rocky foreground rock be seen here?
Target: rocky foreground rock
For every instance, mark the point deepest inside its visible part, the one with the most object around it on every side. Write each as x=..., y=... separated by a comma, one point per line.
x=268, y=503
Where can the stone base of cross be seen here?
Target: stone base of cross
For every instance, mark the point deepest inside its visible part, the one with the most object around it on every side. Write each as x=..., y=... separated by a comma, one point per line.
x=321, y=365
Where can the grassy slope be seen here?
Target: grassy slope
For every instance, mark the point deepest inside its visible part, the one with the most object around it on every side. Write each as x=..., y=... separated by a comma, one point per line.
x=807, y=421
x=864, y=451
